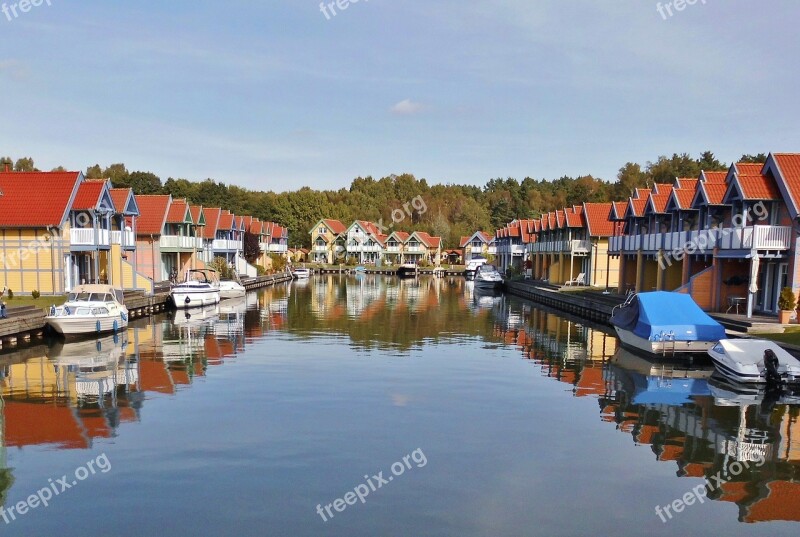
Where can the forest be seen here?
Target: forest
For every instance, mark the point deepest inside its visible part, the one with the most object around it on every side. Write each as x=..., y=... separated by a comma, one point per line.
x=453, y=210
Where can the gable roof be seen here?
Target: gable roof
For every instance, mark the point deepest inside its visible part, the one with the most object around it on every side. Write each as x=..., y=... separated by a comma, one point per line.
x=713, y=177
x=709, y=193
x=16, y=207
x=124, y=201
x=179, y=213
x=212, y=215
x=786, y=170
x=597, y=219
x=335, y=226
x=757, y=187
x=153, y=209
x=226, y=221
x=91, y=195
x=574, y=218
x=427, y=240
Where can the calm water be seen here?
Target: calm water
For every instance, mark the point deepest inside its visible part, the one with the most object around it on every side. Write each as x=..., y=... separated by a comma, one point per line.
x=512, y=421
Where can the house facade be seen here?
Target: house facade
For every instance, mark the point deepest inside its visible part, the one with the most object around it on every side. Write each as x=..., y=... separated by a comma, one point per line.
x=479, y=244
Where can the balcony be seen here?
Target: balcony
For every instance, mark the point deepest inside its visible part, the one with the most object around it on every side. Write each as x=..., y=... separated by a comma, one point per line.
x=615, y=244
x=415, y=250
x=317, y=249
x=756, y=238
x=226, y=245
x=394, y=249
x=579, y=247
x=278, y=248
x=89, y=238
x=180, y=243
x=124, y=239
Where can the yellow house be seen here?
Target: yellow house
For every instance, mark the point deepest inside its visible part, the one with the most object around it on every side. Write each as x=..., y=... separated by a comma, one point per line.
x=324, y=236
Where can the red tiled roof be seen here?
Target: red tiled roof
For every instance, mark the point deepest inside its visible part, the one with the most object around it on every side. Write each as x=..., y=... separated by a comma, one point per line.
x=212, y=220
x=640, y=193
x=789, y=168
x=749, y=168
x=658, y=202
x=617, y=210
x=780, y=503
x=715, y=192
x=225, y=221
x=88, y=196
x=402, y=236
x=177, y=212
x=196, y=210
x=120, y=198
x=335, y=226
x=560, y=218
x=636, y=206
x=431, y=242
x=153, y=210
x=256, y=226
x=575, y=218
x=19, y=190
x=659, y=188
x=597, y=221
x=758, y=187
x=715, y=177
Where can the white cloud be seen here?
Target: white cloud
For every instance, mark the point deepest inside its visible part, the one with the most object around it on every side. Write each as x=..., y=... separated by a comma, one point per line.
x=406, y=107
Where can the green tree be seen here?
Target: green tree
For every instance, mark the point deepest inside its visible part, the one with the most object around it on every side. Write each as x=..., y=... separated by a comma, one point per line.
x=25, y=165
x=760, y=158
x=145, y=183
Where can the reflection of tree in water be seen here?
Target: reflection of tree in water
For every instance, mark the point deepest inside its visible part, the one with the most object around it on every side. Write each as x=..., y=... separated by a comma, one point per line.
x=385, y=312
x=6, y=481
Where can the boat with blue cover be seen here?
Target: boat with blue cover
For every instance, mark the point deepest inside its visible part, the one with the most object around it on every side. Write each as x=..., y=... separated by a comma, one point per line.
x=662, y=323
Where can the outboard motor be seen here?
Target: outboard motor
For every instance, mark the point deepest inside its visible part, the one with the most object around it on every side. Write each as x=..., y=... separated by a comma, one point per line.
x=771, y=364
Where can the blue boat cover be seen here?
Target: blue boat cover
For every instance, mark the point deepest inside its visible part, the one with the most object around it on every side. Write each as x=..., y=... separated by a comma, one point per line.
x=653, y=315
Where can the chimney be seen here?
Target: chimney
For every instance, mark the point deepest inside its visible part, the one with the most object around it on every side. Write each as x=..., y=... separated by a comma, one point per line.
x=6, y=166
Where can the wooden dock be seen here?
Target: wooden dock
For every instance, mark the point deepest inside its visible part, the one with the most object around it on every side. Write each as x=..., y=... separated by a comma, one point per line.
x=588, y=304
x=385, y=271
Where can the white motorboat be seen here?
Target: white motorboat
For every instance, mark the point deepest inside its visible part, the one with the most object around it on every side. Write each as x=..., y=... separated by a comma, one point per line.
x=231, y=289
x=755, y=361
x=472, y=267
x=665, y=323
x=90, y=309
x=99, y=366
x=199, y=288
x=488, y=277
x=301, y=273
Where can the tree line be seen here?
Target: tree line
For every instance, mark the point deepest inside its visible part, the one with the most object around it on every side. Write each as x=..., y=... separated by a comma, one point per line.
x=452, y=210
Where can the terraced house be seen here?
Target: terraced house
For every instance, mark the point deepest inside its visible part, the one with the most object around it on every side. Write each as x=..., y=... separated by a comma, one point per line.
x=479, y=244
x=74, y=233
x=730, y=239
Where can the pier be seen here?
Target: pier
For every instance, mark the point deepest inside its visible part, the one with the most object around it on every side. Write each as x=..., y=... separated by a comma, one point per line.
x=26, y=323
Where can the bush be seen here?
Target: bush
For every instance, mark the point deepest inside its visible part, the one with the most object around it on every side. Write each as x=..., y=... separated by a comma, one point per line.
x=352, y=261
x=35, y=294
x=224, y=271
x=279, y=262
x=260, y=270
x=787, y=301
x=10, y=294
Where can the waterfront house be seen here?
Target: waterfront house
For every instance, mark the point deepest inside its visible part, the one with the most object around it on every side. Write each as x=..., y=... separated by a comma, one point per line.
x=422, y=248
x=395, y=247
x=324, y=237
x=278, y=239
x=364, y=242
x=153, y=217
x=228, y=241
x=180, y=241
x=479, y=244
x=209, y=233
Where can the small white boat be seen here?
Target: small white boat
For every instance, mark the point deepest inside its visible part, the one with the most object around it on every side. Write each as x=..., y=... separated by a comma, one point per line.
x=231, y=289
x=200, y=288
x=301, y=273
x=90, y=309
x=472, y=267
x=755, y=361
x=488, y=277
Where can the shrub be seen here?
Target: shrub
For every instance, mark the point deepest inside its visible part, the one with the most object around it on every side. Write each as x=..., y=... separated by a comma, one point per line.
x=10, y=294
x=279, y=262
x=787, y=301
x=260, y=270
x=224, y=271
x=352, y=261
x=35, y=294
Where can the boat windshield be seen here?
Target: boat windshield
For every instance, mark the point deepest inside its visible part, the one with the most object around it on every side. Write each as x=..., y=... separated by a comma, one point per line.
x=95, y=297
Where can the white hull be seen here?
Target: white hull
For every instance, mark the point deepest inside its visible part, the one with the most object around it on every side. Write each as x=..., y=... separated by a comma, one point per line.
x=74, y=325
x=301, y=274
x=488, y=284
x=633, y=341
x=230, y=289
x=742, y=361
x=195, y=299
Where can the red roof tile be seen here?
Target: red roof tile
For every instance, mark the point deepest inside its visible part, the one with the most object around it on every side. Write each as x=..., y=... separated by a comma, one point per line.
x=153, y=210
x=431, y=242
x=714, y=177
x=120, y=197
x=758, y=187
x=715, y=192
x=212, y=220
x=177, y=212
x=789, y=168
x=748, y=168
x=575, y=218
x=196, y=210
x=88, y=196
x=256, y=226
x=335, y=226
x=19, y=189
x=402, y=236
x=225, y=221
x=597, y=221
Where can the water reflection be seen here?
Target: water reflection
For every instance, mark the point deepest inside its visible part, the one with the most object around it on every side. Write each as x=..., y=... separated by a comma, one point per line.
x=67, y=396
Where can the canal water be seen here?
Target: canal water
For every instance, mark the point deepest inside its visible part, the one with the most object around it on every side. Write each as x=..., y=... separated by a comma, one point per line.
x=372, y=406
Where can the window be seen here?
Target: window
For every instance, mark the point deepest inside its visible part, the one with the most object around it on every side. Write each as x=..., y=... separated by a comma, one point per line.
x=322, y=230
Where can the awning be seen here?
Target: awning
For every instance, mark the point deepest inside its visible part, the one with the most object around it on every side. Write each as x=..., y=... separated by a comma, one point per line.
x=734, y=254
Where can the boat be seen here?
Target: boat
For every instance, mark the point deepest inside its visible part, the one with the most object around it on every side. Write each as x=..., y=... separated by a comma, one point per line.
x=727, y=392
x=199, y=288
x=407, y=270
x=90, y=309
x=755, y=361
x=488, y=277
x=472, y=267
x=99, y=366
x=301, y=273
x=231, y=289
x=660, y=323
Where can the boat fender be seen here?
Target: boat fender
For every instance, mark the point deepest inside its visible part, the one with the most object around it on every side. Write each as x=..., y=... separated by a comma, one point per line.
x=98, y=325
x=186, y=300
x=98, y=345
x=52, y=311
x=771, y=364
x=116, y=326
x=123, y=315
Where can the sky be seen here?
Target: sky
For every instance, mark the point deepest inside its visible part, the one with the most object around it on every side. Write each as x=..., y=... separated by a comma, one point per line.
x=277, y=95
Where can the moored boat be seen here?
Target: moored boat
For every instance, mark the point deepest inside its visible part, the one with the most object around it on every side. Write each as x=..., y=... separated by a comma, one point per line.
x=301, y=273
x=488, y=277
x=90, y=309
x=472, y=267
x=231, y=289
x=755, y=361
x=199, y=288
x=660, y=323
x=407, y=270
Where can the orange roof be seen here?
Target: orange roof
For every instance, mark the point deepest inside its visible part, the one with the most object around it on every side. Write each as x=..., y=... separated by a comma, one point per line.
x=758, y=187
x=560, y=218
x=780, y=504
x=640, y=193
x=177, y=212
x=226, y=221
x=120, y=198
x=431, y=242
x=256, y=226
x=19, y=190
x=658, y=202
x=714, y=192
x=402, y=236
x=789, y=169
x=153, y=211
x=749, y=168
x=88, y=196
x=28, y=424
x=196, y=210
x=714, y=177
x=617, y=211
x=636, y=206
x=597, y=221
x=574, y=218
x=212, y=220
x=335, y=226
x=660, y=188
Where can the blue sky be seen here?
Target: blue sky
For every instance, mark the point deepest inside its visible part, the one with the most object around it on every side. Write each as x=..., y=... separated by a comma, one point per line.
x=274, y=95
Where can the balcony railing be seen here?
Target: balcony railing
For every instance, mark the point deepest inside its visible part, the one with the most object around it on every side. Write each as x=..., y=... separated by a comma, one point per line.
x=226, y=245
x=396, y=249
x=278, y=248
x=89, y=237
x=126, y=241
x=615, y=244
x=579, y=247
x=756, y=238
x=179, y=242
